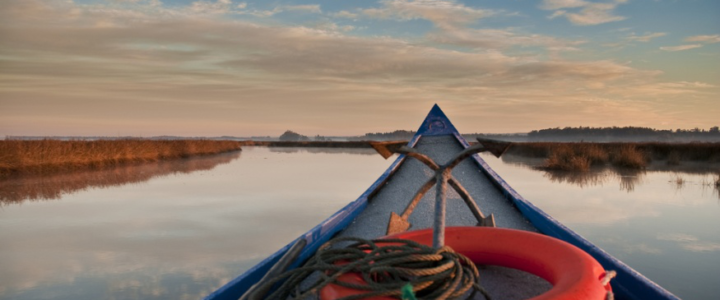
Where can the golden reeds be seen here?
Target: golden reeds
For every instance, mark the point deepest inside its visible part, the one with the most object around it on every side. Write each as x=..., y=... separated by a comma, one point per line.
x=628, y=156
x=50, y=155
x=576, y=156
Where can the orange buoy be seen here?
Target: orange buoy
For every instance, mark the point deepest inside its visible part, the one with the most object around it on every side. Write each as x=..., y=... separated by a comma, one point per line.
x=573, y=273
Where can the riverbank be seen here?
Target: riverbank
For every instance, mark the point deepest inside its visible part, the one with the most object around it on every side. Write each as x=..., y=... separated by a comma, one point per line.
x=52, y=156
x=571, y=156
x=582, y=156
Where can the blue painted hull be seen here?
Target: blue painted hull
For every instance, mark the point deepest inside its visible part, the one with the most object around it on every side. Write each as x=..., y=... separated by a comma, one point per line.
x=629, y=284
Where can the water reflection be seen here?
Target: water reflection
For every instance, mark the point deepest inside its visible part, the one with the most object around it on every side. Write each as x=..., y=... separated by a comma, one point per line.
x=661, y=221
x=172, y=237
x=323, y=150
x=585, y=179
x=49, y=187
x=628, y=179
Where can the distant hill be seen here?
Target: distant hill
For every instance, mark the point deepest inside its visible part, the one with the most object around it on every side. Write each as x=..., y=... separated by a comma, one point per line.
x=293, y=136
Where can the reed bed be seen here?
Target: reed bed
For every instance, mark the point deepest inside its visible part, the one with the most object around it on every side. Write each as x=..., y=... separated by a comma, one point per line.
x=582, y=156
x=50, y=156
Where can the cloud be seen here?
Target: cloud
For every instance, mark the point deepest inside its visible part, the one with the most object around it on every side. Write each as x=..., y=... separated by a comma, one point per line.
x=557, y=14
x=333, y=27
x=710, y=39
x=500, y=39
x=217, y=7
x=451, y=20
x=310, y=8
x=444, y=14
x=345, y=14
x=583, y=13
x=681, y=47
x=704, y=39
x=313, y=8
x=165, y=66
x=559, y=4
x=645, y=38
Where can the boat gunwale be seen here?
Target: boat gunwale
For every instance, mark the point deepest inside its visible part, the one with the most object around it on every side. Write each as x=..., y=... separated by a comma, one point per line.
x=642, y=287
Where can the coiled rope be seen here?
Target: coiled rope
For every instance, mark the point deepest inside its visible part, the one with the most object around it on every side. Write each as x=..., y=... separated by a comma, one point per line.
x=386, y=266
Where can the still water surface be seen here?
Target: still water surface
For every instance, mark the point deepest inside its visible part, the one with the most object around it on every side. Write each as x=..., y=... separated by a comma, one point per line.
x=178, y=230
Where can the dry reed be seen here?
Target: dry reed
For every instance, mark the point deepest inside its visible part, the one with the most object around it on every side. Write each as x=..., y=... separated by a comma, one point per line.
x=628, y=156
x=575, y=157
x=572, y=156
x=565, y=158
x=50, y=156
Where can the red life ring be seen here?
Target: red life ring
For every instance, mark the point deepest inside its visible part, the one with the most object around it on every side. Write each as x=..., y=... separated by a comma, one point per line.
x=573, y=273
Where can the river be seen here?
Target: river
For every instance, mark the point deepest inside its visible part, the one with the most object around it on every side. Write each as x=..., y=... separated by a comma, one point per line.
x=179, y=230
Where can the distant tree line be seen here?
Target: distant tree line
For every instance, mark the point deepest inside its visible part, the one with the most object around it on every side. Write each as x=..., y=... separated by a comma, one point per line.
x=385, y=136
x=567, y=134
x=623, y=134
x=292, y=136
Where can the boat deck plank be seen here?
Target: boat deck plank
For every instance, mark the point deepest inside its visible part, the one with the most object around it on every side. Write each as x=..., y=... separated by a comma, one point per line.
x=403, y=185
x=502, y=283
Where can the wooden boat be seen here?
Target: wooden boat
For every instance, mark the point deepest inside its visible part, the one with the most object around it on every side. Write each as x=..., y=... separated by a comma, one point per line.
x=367, y=217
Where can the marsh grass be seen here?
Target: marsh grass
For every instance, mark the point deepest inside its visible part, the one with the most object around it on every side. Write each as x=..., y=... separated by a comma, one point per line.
x=576, y=157
x=678, y=180
x=629, y=156
x=34, y=187
x=51, y=156
x=583, y=156
x=567, y=158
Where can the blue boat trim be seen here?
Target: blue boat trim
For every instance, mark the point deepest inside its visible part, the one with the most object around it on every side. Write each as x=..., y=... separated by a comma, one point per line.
x=629, y=284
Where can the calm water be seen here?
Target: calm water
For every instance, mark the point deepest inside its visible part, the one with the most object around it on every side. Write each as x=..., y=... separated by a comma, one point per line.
x=180, y=230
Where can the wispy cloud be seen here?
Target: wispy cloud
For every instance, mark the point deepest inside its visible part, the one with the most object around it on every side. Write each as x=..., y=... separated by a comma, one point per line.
x=217, y=7
x=310, y=8
x=500, y=39
x=345, y=14
x=702, y=39
x=646, y=37
x=581, y=12
x=681, y=47
x=444, y=14
x=709, y=39
x=559, y=4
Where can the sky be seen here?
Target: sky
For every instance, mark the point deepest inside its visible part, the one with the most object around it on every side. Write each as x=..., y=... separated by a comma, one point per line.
x=330, y=67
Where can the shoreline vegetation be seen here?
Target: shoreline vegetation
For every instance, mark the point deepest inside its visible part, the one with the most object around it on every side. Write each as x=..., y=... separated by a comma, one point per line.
x=576, y=156
x=637, y=156
x=31, y=187
x=49, y=156
x=572, y=156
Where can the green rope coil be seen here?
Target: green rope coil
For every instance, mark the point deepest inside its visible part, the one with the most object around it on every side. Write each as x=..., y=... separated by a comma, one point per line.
x=387, y=266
